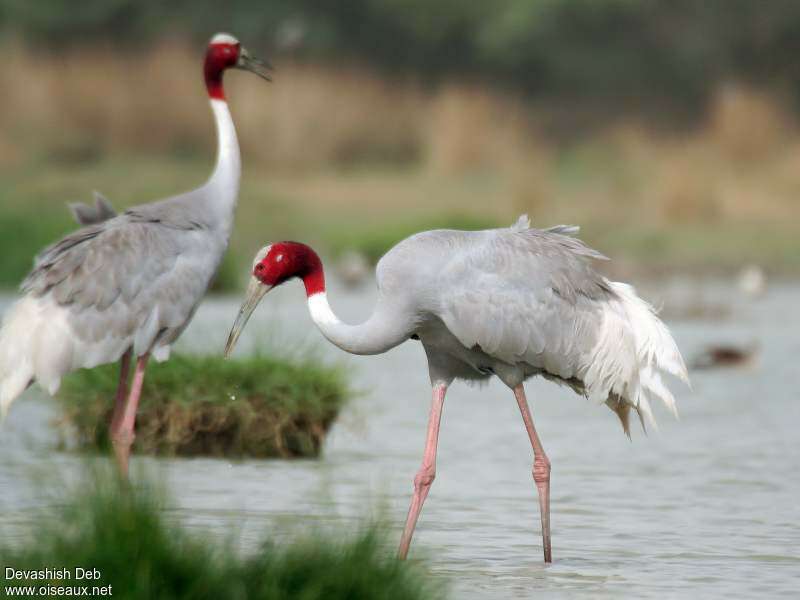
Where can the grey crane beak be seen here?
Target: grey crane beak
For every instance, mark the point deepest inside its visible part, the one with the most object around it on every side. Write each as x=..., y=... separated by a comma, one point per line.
x=248, y=62
x=255, y=292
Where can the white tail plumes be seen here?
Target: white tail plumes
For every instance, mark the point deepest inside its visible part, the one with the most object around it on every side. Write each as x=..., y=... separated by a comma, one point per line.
x=632, y=351
x=37, y=343
x=656, y=353
x=16, y=365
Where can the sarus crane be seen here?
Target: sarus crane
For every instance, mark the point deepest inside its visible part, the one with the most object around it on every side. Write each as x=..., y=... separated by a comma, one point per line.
x=512, y=303
x=124, y=287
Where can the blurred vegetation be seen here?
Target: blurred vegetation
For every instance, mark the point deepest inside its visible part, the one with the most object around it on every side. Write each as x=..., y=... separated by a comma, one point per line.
x=22, y=236
x=229, y=275
x=122, y=533
x=698, y=204
x=389, y=117
x=209, y=406
x=676, y=51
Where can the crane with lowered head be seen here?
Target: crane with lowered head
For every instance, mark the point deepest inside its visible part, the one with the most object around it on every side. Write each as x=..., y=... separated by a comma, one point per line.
x=510, y=303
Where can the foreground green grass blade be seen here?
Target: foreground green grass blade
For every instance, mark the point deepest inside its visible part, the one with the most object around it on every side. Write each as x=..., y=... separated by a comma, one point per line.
x=122, y=534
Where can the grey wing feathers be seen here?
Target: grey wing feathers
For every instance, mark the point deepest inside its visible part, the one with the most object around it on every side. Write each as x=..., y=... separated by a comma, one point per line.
x=125, y=278
x=566, y=230
x=178, y=212
x=91, y=215
x=531, y=299
x=550, y=258
x=525, y=295
x=100, y=259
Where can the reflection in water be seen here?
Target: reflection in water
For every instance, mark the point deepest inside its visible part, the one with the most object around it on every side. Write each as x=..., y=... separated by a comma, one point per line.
x=706, y=506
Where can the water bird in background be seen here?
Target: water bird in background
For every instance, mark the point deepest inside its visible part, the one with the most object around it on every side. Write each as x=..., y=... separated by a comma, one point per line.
x=723, y=356
x=511, y=303
x=752, y=281
x=124, y=287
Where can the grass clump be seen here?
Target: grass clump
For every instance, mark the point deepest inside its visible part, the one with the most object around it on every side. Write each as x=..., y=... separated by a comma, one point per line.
x=206, y=405
x=122, y=534
x=374, y=242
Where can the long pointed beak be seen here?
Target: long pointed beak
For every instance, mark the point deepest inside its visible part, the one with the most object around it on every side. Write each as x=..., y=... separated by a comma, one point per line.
x=255, y=292
x=248, y=62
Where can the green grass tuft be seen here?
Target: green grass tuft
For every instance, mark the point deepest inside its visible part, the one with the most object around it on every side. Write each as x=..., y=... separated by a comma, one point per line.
x=206, y=405
x=122, y=533
x=326, y=568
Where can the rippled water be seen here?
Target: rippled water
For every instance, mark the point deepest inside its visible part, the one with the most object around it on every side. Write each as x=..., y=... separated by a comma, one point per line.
x=707, y=507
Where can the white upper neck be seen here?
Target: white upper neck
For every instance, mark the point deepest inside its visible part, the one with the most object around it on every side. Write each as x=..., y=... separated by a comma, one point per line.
x=381, y=332
x=227, y=172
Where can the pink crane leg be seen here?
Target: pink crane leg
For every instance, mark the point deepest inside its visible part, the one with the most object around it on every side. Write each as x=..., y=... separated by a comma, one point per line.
x=122, y=386
x=427, y=472
x=541, y=471
x=122, y=434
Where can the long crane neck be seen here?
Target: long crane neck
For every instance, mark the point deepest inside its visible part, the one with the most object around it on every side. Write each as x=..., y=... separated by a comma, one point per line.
x=385, y=329
x=228, y=168
x=223, y=184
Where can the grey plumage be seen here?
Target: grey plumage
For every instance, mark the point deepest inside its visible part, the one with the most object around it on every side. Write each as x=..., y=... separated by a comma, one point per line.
x=495, y=290
x=123, y=281
x=90, y=215
x=512, y=303
x=125, y=286
x=148, y=267
x=519, y=302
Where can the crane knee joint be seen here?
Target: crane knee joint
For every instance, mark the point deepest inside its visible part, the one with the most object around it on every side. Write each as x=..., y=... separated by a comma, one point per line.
x=123, y=438
x=541, y=470
x=425, y=477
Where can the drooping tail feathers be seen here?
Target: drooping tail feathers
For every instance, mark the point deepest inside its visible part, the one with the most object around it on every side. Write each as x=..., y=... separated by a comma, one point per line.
x=656, y=353
x=16, y=366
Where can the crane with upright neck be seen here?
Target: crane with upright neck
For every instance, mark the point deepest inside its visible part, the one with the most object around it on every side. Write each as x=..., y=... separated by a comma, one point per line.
x=125, y=287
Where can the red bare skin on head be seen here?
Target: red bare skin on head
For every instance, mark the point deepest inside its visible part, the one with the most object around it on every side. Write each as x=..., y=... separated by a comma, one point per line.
x=291, y=259
x=219, y=56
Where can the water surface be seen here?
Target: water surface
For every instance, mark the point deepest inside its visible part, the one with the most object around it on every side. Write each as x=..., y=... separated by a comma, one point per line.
x=706, y=507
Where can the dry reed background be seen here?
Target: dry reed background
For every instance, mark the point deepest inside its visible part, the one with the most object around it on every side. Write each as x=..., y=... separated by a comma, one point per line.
x=737, y=170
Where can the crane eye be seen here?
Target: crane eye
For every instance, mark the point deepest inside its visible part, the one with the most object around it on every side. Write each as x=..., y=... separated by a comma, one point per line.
x=259, y=267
